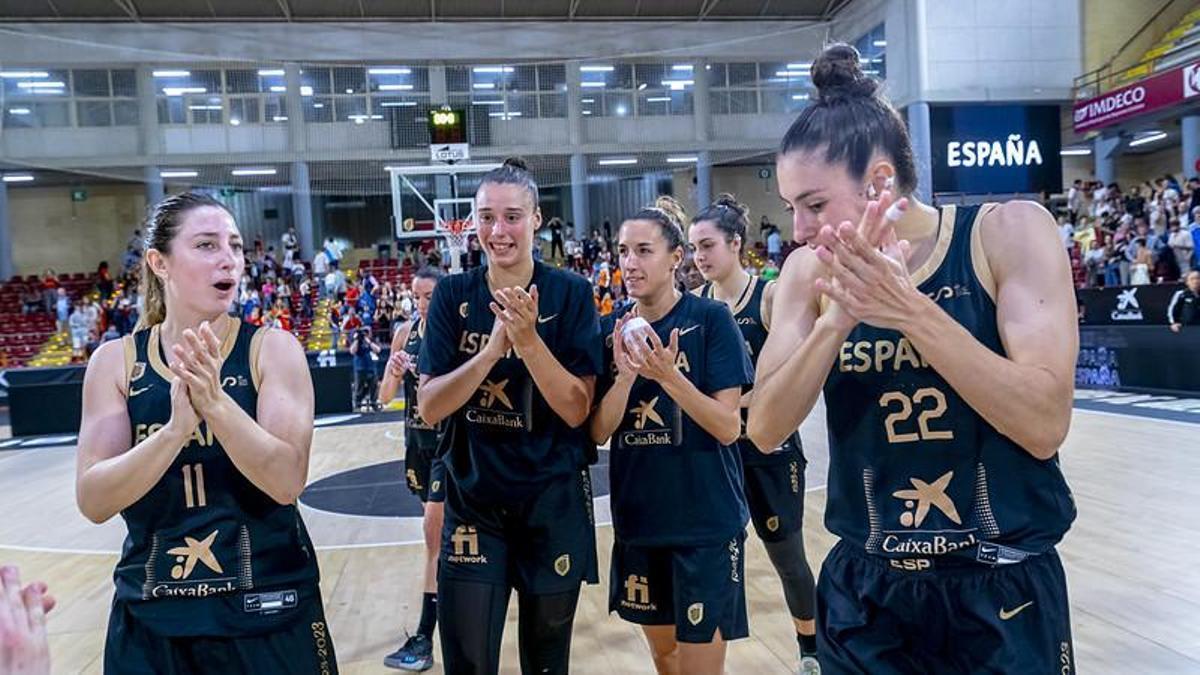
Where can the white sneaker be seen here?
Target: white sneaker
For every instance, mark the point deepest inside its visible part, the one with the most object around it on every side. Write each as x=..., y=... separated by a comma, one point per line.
x=809, y=666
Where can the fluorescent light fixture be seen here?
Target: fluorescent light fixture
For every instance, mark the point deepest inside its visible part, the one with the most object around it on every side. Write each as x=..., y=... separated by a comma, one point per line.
x=18, y=111
x=682, y=66
x=349, y=91
x=376, y=117
x=799, y=97
x=306, y=91
x=180, y=173
x=591, y=85
x=18, y=178
x=23, y=74
x=879, y=43
x=172, y=73
x=235, y=122
x=41, y=85
x=622, y=110
x=484, y=85
x=278, y=88
x=799, y=66
x=596, y=69
x=279, y=118
x=271, y=72
x=791, y=74
x=492, y=69
x=1149, y=137
x=1075, y=152
x=322, y=105
x=253, y=172
x=587, y=112
x=388, y=70
x=642, y=86
x=678, y=84
x=587, y=100
x=683, y=160
x=179, y=91
x=871, y=71
x=204, y=107
x=659, y=99
x=507, y=116
x=488, y=102
x=395, y=87
x=396, y=104
x=622, y=161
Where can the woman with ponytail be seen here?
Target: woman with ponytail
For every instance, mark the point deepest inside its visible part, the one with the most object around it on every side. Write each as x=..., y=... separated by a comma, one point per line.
x=676, y=366
x=197, y=429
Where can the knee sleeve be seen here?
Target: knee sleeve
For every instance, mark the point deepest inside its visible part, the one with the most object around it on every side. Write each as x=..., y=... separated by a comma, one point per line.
x=545, y=624
x=472, y=622
x=799, y=587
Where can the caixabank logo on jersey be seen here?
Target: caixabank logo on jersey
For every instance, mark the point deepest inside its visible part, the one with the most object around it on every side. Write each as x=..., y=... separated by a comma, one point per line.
x=199, y=566
x=920, y=519
x=654, y=421
x=503, y=402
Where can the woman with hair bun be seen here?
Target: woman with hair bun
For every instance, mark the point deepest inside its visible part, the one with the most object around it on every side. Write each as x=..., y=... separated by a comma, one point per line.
x=945, y=341
x=676, y=368
x=774, y=476
x=509, y=359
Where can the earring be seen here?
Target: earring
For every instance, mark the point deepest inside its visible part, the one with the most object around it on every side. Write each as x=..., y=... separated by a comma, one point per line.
x=889, y=183
x=872, y=193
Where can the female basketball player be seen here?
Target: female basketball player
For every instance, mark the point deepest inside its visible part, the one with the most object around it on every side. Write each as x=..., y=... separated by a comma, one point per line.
x=774, y=478
x=672, y=411
x=196, y=429
x=945, y=340
x=423, y=467
x=510, y=357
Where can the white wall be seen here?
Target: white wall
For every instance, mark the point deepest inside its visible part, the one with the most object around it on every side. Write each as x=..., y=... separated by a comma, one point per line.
x=50, y=230
x=743, y=182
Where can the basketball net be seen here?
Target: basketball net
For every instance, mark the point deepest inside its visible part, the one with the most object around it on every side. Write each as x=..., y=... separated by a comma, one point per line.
x=457, y=230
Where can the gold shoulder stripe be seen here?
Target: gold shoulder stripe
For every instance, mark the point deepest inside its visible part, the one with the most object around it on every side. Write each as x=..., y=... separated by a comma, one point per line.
x=979, y=261
x=764, y=309
x=945, y=233
x=256, y=347
x=130, y=359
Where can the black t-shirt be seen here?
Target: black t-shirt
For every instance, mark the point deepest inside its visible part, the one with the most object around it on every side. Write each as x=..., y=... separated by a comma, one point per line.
x=673, y=484
x=508, y=441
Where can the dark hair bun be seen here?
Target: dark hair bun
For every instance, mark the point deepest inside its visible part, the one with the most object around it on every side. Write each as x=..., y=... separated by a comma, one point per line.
x=730, y=202
x=837, y=74
x=516, y=163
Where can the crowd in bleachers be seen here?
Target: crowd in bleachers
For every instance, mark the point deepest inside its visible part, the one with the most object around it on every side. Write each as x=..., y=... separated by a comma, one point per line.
x=1147, y=233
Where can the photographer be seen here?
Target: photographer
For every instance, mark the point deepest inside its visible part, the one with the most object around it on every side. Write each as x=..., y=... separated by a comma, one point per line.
x=365, y=352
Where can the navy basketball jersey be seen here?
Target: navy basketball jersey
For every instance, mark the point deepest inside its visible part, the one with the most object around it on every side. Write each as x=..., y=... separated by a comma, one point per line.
x=672, y=483
x=514, y=442
x=417, y=432
x=207, y=553
x=914, y=470
x=751, y=321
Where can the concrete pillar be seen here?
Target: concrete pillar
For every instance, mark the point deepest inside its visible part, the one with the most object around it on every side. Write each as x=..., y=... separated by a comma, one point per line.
x=579, y=194
x=1104, y=154
x=700, y=108
x=302, y=210
x=149, y=139
x=574, y=107
x=6, y=259
x=919, y=133
x=297, y=135
x=153, y=182
x=1190, y=126
x=704, y=192
x=437, y=85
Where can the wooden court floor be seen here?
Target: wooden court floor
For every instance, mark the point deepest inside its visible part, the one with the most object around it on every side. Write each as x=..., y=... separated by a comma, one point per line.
x=1132, y=562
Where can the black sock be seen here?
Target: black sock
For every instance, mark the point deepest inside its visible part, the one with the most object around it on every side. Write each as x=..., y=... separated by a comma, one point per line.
x=428, y=615
x=808, y=644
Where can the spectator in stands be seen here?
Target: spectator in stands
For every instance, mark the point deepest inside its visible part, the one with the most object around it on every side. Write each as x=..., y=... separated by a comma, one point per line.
x=1184, y=309
x=31, y=302
x=255, y=317
x=556, y=239
x=291, y=244
x=334, y=250
x=79, y=326
x=335, y=282
x=104, y=281
x=49, y=290
x=306, y=309
x=1135, y=203
x=320, y=268
x=24, y=647
x=352, y=322
x=111, y=333
x=1074, y=201
x=1139, y=272
x=62, y=309
x=335, y=324
x=775, y=246
x=1094, y=262
x=365, y=353
x=1066, y=230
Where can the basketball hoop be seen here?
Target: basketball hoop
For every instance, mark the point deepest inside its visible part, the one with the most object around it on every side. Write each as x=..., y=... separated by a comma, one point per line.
x=456, y=234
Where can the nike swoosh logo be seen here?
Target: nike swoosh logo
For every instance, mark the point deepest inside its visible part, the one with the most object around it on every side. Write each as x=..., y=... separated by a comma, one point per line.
x=135, y=392
x=544, y=319
x=1005, y=615
x=687, y=330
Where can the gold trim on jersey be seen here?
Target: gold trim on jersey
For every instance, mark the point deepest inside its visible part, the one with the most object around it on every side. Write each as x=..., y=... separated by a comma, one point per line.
x=709, y=290
x=945, y=234
x=764, y=308
x=979, y=261
x=130, y=360
x=154, y=350
x=256, y=341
